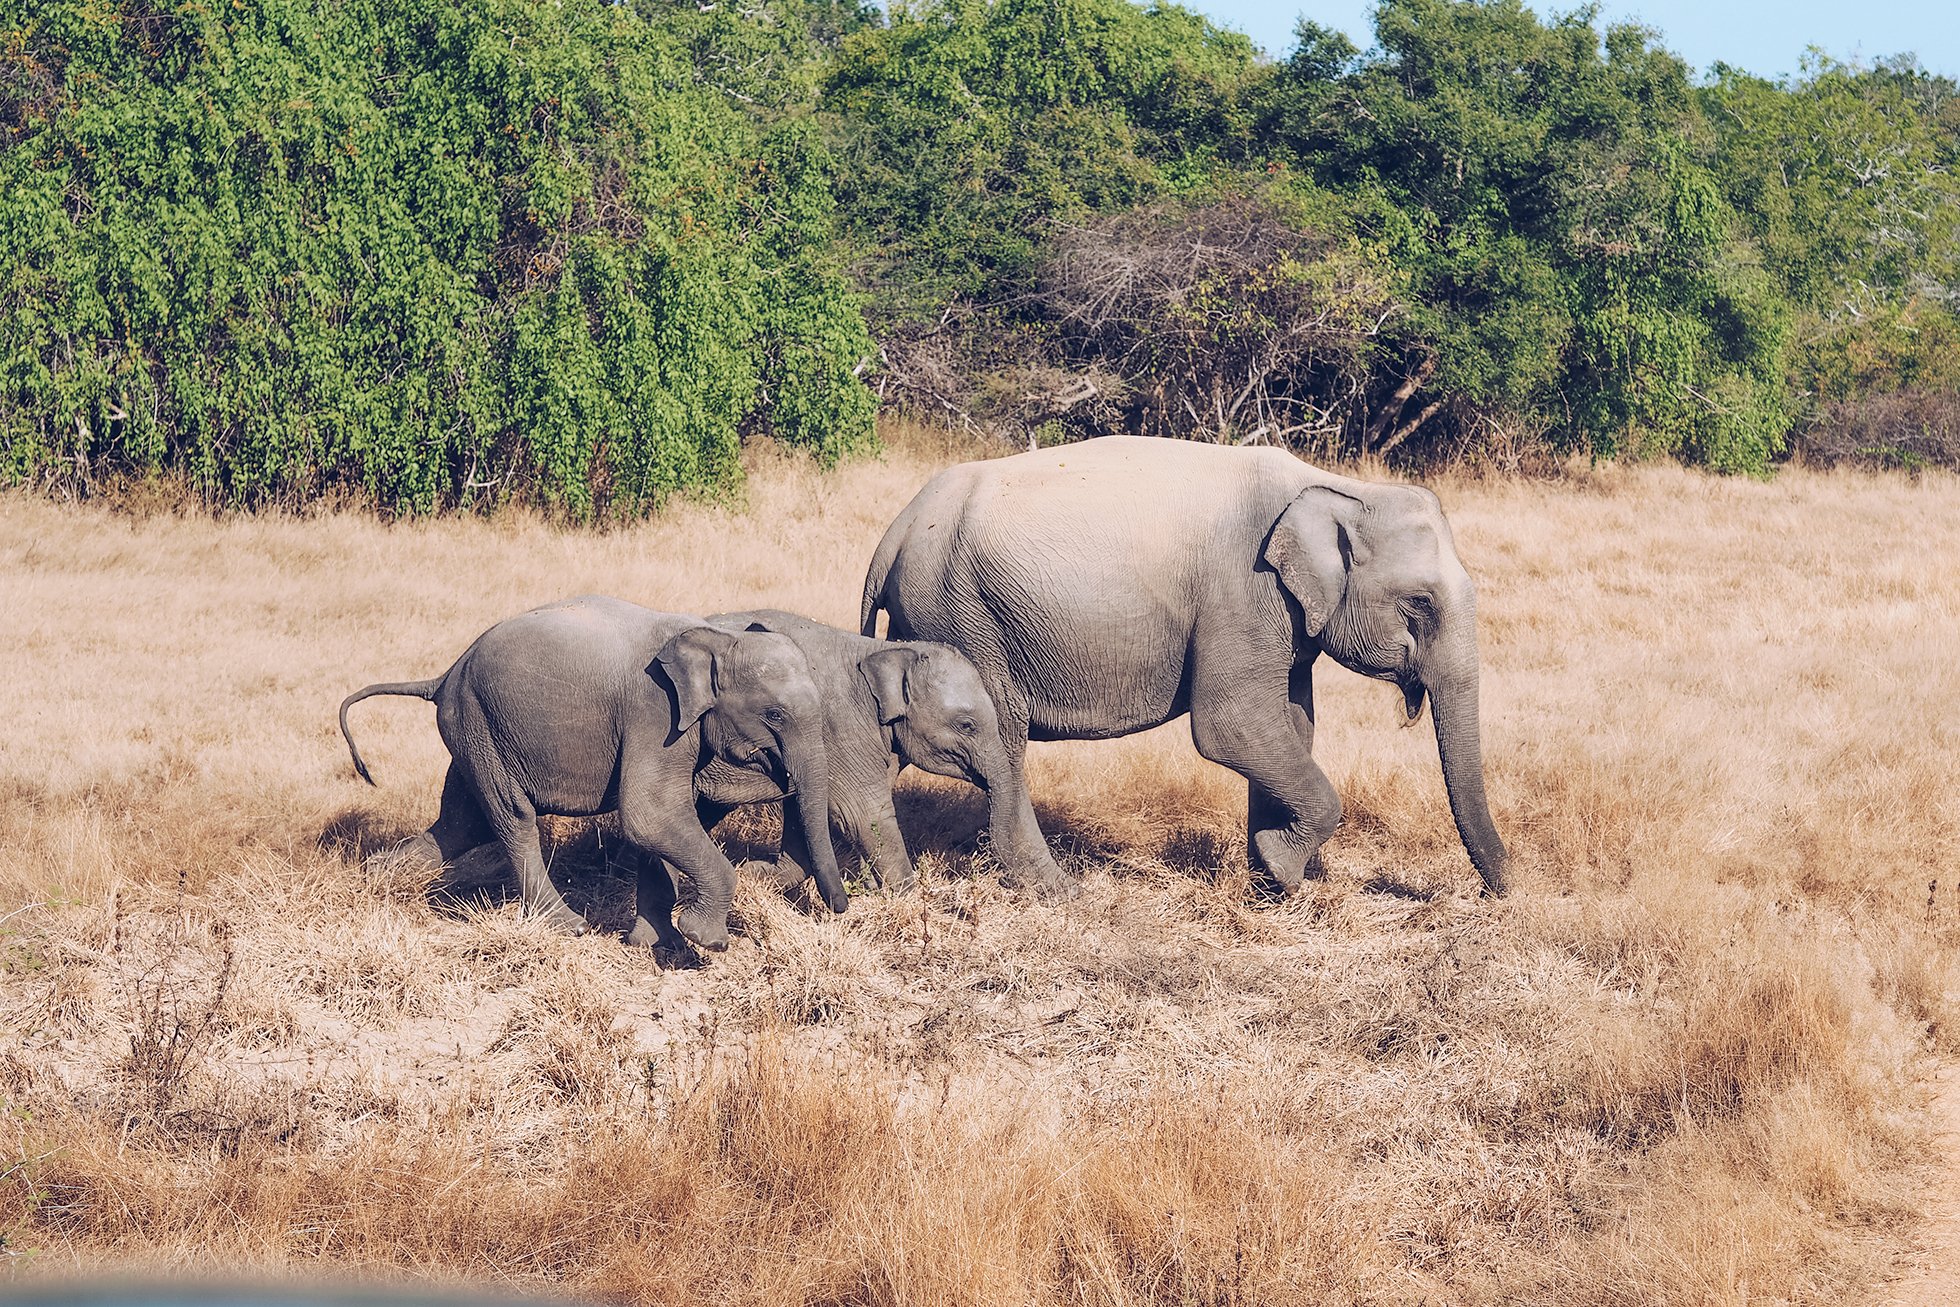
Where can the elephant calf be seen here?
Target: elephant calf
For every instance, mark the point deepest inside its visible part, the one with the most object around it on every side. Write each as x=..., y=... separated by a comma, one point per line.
x=885, y=705
x=595, y=704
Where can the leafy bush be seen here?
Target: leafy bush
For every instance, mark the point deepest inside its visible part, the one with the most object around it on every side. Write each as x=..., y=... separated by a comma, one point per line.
x=440, y=254
x=448, y=255
x=1583, y=246
x=966, y=126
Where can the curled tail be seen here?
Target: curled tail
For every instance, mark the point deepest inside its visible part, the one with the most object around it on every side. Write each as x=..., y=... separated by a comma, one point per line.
x=410, y=689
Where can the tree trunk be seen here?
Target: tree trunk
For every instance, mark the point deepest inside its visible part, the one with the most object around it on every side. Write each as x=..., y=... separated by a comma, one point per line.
x=1389, y=413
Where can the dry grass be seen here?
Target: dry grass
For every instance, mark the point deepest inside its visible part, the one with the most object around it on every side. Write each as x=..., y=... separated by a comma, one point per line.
x=1677, y=1067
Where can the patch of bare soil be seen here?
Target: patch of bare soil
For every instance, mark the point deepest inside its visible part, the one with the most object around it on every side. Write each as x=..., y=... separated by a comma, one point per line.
x=1935, y=1280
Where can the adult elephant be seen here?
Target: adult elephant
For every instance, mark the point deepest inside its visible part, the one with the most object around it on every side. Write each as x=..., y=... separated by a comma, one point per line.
x=1107, y=587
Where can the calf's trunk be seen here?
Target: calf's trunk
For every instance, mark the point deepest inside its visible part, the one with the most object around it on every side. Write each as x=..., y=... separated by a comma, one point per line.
x=809, y=772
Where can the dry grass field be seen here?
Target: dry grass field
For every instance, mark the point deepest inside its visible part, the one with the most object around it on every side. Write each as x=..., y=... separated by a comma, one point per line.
x=1683, y=1063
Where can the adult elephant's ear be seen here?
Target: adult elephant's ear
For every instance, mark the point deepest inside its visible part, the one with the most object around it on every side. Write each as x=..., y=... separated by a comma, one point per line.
x=1312, y=547
x=886, y=671
x=690, y=662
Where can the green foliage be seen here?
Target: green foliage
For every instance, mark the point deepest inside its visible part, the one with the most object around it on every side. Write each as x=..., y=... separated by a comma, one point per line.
x=1582, y=242
x=1847, y=183
x=443, y=254
x=1571, y=256
x=1838, y=175
x=969, y=126
x=817, y=342
x=571, y=252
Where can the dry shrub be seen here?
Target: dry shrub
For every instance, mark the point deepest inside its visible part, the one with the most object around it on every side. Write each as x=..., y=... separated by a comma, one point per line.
x=804, y=973
x=772, y=1183
x=563, y=1028
x=1229, y=320
x=1190, y=1202
x=1676, y=1066
x=1748, y=1010
x=1912, y=428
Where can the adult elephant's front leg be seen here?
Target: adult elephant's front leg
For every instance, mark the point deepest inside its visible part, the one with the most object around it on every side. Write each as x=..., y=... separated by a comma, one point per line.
x=1291, y=806
x=1286, y=844
x=1016, y=835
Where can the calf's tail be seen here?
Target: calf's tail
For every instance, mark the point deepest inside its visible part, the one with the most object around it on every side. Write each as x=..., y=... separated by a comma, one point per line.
x=408, y=689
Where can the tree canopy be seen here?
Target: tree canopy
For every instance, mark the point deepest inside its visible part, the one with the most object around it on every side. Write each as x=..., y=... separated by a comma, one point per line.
x=571, y=253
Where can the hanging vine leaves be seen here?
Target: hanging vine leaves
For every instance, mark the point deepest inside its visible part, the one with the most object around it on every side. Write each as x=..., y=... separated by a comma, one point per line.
x=442, y=255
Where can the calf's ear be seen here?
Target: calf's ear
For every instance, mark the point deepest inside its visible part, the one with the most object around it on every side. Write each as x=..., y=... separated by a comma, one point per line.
x=886, y=671
x=691, y=662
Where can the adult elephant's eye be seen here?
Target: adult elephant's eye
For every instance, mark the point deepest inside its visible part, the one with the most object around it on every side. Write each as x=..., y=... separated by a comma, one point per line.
x=776, y=717
x=968, y=726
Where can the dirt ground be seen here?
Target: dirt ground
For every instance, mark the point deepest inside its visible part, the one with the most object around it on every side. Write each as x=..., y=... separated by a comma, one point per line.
x=1686, y=1062
x=1933, y=1278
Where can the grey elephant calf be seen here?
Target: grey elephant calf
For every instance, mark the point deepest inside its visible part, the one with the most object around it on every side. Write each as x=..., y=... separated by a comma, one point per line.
x=595, y=704
x=886, y=705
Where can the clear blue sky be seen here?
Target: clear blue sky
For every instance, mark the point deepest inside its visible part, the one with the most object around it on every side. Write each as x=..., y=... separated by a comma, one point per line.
x=1762, y=36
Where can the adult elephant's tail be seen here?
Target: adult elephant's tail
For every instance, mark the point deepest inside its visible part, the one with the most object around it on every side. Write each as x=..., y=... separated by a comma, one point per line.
x=409, y=689
x=880, y=569
x=940, y=500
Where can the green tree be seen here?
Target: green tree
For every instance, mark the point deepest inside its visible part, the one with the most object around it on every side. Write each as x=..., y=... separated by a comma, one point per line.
x=1544, y=186
x=444, y=254
x=1847, y=180
x=964, y=126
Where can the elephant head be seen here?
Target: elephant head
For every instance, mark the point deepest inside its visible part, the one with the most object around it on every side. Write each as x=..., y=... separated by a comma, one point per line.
x=941, y=718
x=1382, y=591
x=758, y=707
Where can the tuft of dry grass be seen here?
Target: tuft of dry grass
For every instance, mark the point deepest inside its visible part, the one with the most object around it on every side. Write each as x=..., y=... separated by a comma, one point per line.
x=1679, y=1065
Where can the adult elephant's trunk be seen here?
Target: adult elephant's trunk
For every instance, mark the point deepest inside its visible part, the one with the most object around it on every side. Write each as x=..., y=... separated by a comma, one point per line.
x=809, y=772
x=1453, y=704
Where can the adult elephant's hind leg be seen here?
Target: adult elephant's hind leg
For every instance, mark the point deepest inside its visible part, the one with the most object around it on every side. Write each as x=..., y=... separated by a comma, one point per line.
x=1291, y=806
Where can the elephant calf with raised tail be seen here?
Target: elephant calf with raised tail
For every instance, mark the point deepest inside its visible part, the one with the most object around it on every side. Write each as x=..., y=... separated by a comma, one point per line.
x=1110, y=586
x=885, y=706
x=595, y=704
